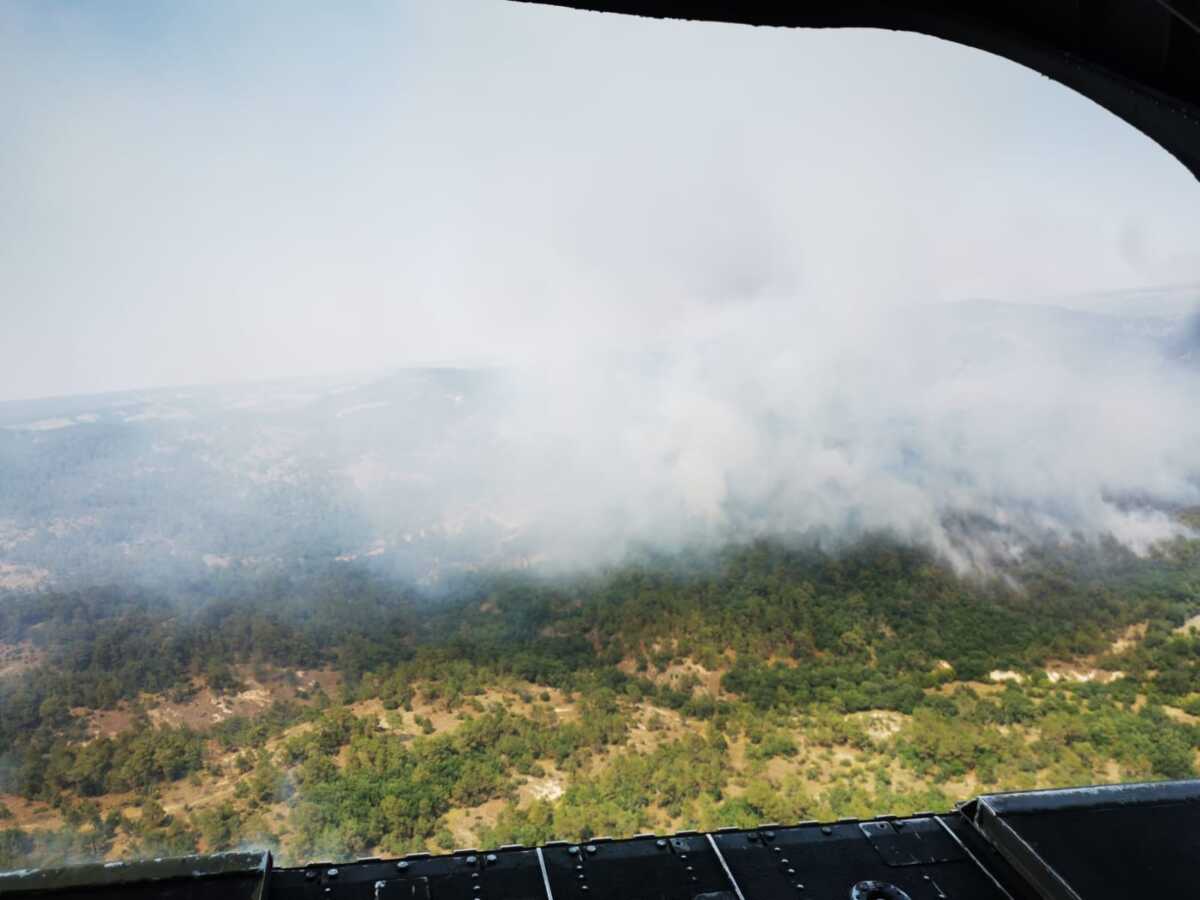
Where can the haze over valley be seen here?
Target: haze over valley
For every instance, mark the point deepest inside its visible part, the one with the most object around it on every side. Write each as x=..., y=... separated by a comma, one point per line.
x=971, y=429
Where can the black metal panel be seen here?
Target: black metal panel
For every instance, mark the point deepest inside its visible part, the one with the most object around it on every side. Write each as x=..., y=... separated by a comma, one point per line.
x=1135, y=58
x=683, y=867
x=911, y=842
x=830, y=860
x=510, y=873
x=1108, y=843
x=1115, y=841
x=986, y=858
x=237, y=876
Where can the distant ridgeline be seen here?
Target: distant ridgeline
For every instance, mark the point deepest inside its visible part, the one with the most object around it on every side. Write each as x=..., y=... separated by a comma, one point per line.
x=334, y=714
x=160, y=486
x=426, y=474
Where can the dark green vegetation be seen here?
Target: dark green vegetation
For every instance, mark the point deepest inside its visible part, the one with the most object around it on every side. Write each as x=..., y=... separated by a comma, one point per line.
x=771, y=684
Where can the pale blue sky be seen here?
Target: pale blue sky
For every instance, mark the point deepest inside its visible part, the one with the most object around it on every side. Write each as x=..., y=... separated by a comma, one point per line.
x=194, y=192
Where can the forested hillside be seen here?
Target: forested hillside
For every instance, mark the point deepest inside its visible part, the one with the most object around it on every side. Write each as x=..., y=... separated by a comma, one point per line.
x=339, y=714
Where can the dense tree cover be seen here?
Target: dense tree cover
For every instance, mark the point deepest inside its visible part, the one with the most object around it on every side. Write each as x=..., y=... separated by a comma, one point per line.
x=802, y=645
x=107, y=645
x=392, y=794
x=1072, y=733
x=134, y=760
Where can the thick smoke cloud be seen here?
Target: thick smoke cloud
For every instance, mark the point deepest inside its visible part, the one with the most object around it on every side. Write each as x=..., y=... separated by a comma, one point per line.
x=709, y=268
x=200, y=192
x=976, y=429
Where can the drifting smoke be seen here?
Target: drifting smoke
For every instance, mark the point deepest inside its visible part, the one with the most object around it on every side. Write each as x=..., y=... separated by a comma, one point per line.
x=696, y=297
x=974, y=429
x=978, y=430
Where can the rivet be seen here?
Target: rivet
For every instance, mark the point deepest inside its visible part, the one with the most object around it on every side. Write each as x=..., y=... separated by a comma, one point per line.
x=471, y=860
x=660, y=843
x=490, y=858
x=332, y=873
x=591, y=848
x=825, y=829
x=769, y=835
x=402, y=865
x=574, y=851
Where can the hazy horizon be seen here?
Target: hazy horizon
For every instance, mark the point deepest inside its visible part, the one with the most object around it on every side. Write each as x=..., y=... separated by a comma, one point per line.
x=717, y=278
x=199, y=192
x=1092, y=303
x=981, y=431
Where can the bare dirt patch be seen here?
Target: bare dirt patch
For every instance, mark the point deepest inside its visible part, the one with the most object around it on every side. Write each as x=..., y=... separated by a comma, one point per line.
x=979, y=687
x=105, y=722
x=1179, y=715
x=676, y=675
x=18, y=658
x=1081, y=674
x=999, y=675
x=880, y=724
x=654, y=726
x=1191, y=624
x=519, y=697
x=206, y=707
x=1130, y=637
x=29, y=814
x=548, y=787
x=466, y=824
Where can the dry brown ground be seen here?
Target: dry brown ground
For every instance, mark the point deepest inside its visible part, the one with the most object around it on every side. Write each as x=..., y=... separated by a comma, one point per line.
x=675, y=673
x=19, y=657
x=1130, y=637
x=207, y=707
x=1180, y=716
x=29, y=813
x=1192, y=624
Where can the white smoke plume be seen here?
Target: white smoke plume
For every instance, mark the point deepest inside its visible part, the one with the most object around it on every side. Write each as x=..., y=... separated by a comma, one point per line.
x=711, y=275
